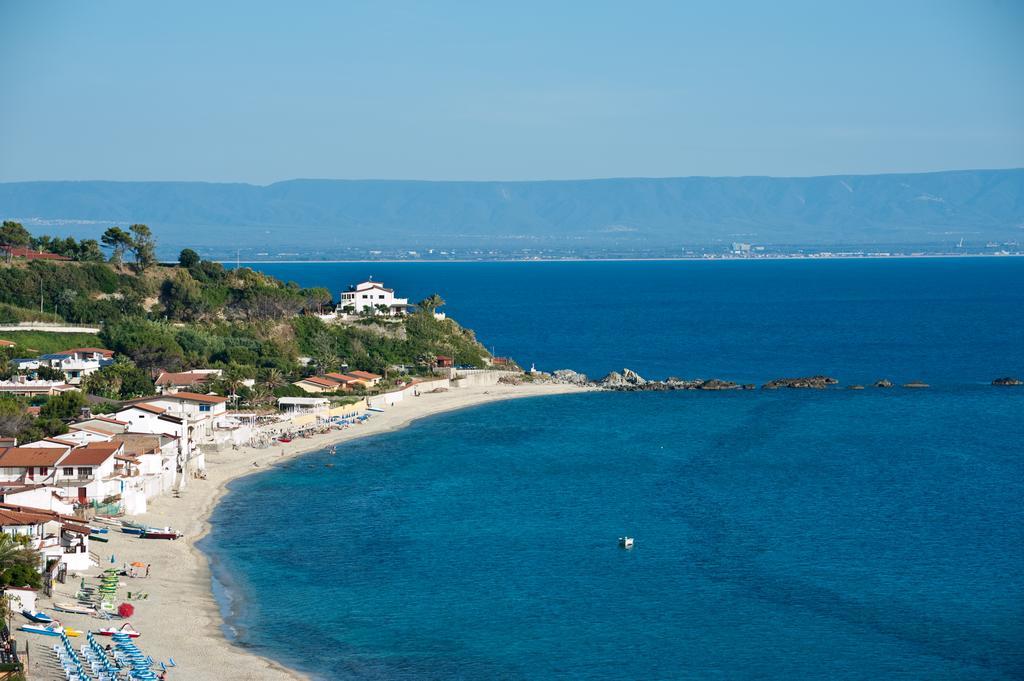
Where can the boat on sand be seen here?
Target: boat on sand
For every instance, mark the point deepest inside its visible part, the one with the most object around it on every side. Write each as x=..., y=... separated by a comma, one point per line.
x=126, y=629
x=74, y=608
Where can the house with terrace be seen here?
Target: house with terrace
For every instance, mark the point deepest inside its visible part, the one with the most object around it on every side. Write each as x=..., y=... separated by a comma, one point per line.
x=54, y=535
x=172, y=382
x=77, y=363
x=33, y=465
x=89, y=472
x=372, y=297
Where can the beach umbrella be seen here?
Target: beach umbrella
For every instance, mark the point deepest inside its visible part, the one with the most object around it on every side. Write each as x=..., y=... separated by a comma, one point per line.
x=138, y=564
x=112, y=560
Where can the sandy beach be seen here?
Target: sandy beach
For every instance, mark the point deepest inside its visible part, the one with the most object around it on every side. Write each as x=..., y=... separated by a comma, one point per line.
x=179, y=618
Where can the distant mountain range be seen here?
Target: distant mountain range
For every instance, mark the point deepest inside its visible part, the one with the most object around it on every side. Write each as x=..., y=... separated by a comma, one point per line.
x=841, y=209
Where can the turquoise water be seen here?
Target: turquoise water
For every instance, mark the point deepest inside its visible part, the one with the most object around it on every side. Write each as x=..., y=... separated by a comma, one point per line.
x=791, y=534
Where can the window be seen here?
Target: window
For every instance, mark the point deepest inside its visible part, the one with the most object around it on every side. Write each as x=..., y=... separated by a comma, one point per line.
x=69, y=472
x=43, y=470
x=85, y=472
x=204, y=407
x=381, y=296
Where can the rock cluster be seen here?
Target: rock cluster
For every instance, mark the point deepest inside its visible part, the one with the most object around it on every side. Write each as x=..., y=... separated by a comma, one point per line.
x=1007, y=380
x=570, y=376
x=813, y=382
x=629, y=380
x=915, y=384
x=883, y=383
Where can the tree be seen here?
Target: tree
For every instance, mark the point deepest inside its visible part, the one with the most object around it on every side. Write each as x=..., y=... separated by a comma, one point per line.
x=430, y=303
x=13, y=417
x=188, y=258
x=273, y=379
x=232, y=380
x=18, y=563
x=143, y=245
x=14, y=234
x=63, y=406
x=120, y=381
x=89, y=251
x=182, y=297
x=65, y=299
x=383, y=309
x=45, y=373
x=323, y=350
x=118, y=241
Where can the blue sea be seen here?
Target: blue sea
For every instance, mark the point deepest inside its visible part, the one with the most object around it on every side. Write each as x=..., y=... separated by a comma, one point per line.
x=779, y=534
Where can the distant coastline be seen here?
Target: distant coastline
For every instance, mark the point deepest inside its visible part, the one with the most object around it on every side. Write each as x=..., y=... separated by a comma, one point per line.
x=422, y=261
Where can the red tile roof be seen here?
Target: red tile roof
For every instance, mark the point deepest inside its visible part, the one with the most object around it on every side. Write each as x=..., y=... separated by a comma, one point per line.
x=9, y=517
x=102, y=351
x=320, y=381
x=149, y=407
x=183, y=378
x=18, y=252
x=365, y=375
x=92, y=454
x=25, y=457
x=7, y=343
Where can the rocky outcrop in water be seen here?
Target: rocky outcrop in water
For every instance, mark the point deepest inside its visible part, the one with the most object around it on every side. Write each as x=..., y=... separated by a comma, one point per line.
x=1007, y=380
x=883, y=383
x=812, y=382
x=631, y=381
x=917, y=385
x=570, y=376
x=717, y=384
x=856, y=387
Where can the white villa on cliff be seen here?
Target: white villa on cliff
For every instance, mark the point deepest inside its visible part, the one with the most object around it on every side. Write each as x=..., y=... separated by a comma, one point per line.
x=371, y=295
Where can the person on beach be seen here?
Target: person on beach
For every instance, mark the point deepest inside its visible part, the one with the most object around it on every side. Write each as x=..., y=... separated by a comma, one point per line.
x=147, y=569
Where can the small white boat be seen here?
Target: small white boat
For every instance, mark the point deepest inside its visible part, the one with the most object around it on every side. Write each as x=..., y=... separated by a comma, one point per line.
x=626, y=542
x=74, y=608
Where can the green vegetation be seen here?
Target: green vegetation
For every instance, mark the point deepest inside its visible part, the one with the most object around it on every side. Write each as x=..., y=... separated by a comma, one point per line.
x=18, y=563
x=32, y=343
x=197, y=314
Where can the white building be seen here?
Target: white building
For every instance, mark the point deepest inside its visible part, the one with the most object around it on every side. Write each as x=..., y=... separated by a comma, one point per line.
x=371, y=295
x=77, y=363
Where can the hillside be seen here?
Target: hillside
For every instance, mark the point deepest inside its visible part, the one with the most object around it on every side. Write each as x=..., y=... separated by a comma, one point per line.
x=908, y=208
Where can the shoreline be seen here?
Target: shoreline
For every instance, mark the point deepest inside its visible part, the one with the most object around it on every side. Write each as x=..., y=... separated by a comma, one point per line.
x=181, y=617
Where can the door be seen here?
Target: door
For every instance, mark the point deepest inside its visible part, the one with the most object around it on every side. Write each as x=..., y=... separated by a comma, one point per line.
x=81, y=495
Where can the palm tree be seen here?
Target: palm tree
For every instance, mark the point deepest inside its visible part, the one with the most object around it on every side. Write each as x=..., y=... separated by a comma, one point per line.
x=13, y=553
x=431, y=302
x=233, y=379
x=273, y=379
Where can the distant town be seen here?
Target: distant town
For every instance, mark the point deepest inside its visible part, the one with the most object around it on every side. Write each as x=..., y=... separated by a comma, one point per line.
x=731, y=251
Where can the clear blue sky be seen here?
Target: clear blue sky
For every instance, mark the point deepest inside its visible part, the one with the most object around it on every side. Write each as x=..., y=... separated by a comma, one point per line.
x=259, y=92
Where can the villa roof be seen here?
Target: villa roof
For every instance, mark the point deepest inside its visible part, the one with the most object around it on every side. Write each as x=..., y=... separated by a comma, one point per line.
x=145, y=406
x=184, y=378
x=7, y=343
x=26, y=457
x=52, y=515
x=191, y=397
x=9, y=517
x=31, y=254
x=101, y=351
x=137, y=444
x=58, y=441
x=92, y=454
x=364, y=374
x=319, y=381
